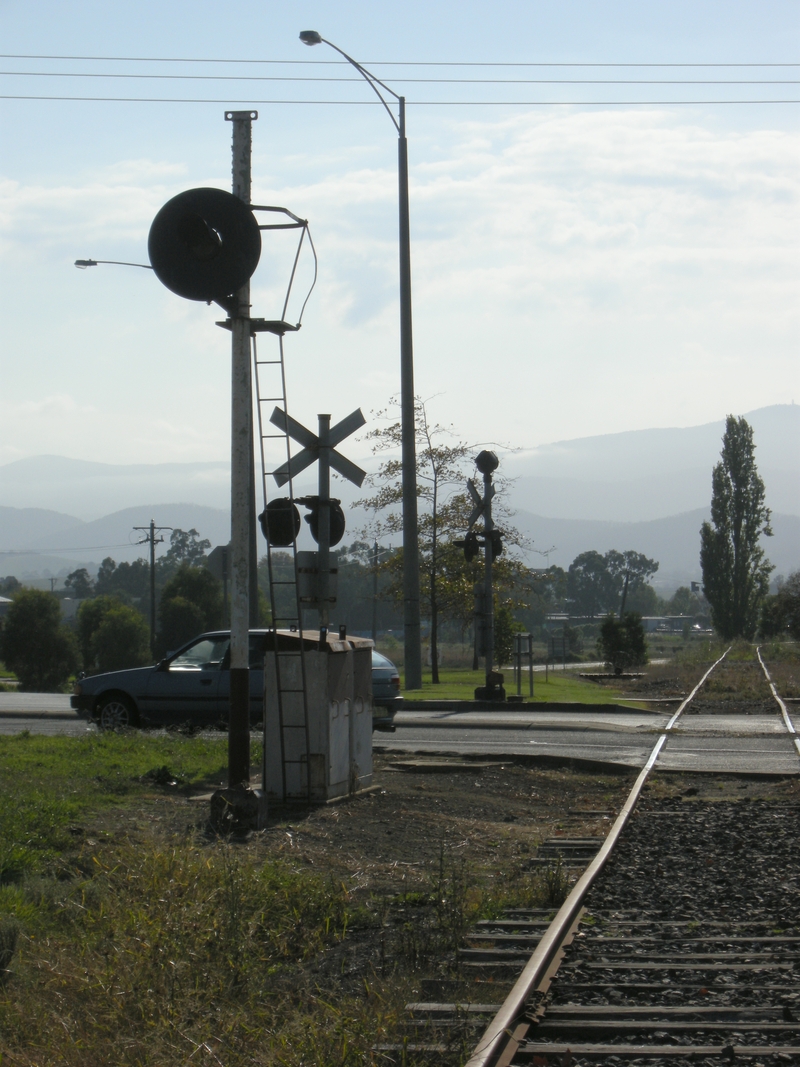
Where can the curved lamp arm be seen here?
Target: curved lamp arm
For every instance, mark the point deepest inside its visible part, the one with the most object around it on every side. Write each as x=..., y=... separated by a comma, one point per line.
x=311, y=37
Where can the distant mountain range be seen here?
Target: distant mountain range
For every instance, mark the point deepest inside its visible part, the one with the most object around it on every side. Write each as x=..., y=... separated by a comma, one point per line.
x=674, y=541
x=640, y=475
x=647, y=490
x=35, y=543
x=91, y=490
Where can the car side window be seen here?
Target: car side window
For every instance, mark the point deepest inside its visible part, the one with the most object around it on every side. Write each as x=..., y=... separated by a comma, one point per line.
x=205, y=655
x=257, y=651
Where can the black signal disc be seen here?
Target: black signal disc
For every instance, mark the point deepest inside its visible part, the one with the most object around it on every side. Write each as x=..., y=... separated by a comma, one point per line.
x=204, y=244
x=280, y=522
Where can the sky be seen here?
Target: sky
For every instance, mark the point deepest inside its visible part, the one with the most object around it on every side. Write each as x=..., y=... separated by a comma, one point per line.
x=578, y=268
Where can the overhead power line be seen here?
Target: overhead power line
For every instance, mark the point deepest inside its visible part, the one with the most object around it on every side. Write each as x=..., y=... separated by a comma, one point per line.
x=414, y=81
x=249, y=101
x=374, y=62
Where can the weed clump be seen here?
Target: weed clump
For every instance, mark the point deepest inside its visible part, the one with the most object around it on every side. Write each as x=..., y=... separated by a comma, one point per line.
x=9, y=935
x=555, y=884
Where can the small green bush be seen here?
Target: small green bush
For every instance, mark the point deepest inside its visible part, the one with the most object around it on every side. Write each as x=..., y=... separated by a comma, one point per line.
x=122, y=640
x=622, y=642
x=36, y=645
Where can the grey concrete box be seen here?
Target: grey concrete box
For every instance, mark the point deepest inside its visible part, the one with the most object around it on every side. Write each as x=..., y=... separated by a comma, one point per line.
x=337, y=755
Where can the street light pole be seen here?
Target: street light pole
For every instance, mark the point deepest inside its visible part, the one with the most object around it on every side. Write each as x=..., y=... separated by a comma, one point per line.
x=411, y=594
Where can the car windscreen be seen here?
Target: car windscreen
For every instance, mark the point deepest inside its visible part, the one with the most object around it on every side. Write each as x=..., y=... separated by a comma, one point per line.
x=205, y=655
x=381, y=661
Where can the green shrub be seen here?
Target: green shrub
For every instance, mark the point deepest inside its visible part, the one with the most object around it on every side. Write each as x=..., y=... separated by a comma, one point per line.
x=191, y=602
x=35, y=644
x=622, y=642
x=181, y=620
x=122, y=640
x=112, y=635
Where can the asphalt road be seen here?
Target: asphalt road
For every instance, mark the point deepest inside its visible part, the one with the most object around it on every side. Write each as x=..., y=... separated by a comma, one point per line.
x=39, y=713
x=737, y=744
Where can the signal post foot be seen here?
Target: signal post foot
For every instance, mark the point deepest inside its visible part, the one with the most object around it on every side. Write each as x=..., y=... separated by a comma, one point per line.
x=238, y=809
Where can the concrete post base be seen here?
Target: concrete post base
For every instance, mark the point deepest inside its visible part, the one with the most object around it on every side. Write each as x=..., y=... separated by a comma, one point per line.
x=238, y=809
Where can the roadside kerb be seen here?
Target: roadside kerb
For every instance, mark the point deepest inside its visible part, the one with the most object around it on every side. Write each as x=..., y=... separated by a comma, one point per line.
x=582, y=717
x=36, y=706
x=527, y=707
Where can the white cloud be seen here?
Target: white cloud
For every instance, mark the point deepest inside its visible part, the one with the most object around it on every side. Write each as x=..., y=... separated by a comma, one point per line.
x=574, y=272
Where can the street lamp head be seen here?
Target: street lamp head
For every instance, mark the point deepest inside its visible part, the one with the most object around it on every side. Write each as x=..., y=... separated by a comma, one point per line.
x=310, y=37
x=82, y=264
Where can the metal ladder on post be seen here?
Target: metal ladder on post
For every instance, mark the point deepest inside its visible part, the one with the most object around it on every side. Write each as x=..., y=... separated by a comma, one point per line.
x=286, y=608
x=284, y=594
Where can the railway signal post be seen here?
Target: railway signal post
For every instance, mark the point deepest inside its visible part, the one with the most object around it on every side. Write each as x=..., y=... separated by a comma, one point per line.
x=492, y=543
x=326, y=519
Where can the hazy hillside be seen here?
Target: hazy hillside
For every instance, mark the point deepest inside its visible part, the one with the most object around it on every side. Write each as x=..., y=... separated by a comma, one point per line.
x=33, y=542
x=114, y=535
x=627, y=477
x=19, y=527
x=90, y=490
x=650, y=474
x=673, y=541
x=648, y=490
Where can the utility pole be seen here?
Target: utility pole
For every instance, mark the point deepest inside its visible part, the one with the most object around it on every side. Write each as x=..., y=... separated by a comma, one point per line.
x=375, y=593
x=241, y=481
x=411, y=591
x=151, y=539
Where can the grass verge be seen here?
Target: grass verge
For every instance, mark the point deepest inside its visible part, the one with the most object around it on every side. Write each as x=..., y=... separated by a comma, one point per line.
x=561, y=686
x=131, y=938
x=48, y=783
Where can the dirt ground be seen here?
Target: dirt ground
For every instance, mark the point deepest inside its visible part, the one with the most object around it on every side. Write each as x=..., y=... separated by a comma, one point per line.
x=484, y=817
x=490, y=815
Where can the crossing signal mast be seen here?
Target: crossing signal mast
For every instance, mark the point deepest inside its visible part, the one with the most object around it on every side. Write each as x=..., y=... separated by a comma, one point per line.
x=491, y=541
x=280, y=520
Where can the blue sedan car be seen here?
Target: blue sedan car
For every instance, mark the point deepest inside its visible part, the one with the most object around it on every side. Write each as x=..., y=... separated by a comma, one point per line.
x=193, y=685
x=190, y=684
x=386, y=699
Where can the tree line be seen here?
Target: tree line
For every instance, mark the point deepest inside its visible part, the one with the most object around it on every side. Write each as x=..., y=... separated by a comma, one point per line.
x=111, y=630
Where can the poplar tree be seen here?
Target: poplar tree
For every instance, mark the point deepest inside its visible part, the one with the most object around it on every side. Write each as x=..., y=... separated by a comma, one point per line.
x=735, y=570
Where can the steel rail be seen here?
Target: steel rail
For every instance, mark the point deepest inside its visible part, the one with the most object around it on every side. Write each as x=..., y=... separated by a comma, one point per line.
x=500, y=1033
x=784, y=710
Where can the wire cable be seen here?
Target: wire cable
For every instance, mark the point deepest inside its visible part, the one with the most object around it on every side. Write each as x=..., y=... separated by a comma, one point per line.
x=377, y=62
x=374, y=103
x=413, y=81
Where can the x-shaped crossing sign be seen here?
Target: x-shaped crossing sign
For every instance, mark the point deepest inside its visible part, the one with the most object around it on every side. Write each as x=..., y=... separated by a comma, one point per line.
x=312, y=446
x=479, y=501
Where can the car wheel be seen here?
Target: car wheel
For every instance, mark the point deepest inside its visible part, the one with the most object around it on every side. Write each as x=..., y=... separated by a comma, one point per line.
x=116, y=712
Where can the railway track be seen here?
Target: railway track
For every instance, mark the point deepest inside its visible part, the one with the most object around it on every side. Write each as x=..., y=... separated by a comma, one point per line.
x=679, y=944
